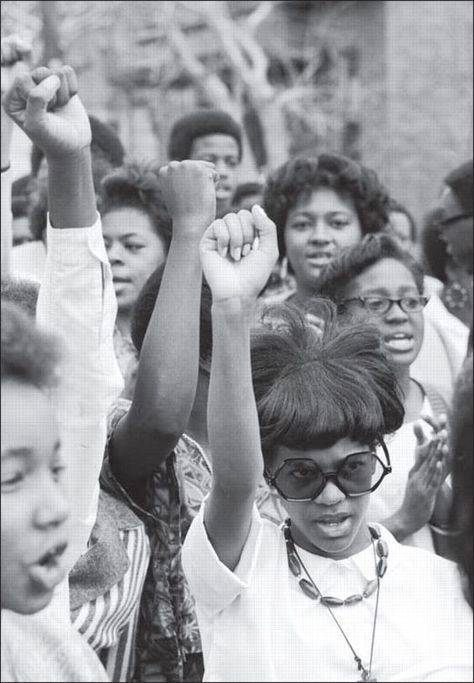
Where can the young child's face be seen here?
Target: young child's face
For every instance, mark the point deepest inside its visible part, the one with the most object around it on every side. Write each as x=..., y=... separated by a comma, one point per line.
x=333, y=524
x=402, y=332
x=34, y=509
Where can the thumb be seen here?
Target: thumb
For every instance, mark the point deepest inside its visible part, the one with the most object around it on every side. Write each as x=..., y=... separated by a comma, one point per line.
x=266, y=230
x=40, y=96
x=263, y=224
x=419, y=433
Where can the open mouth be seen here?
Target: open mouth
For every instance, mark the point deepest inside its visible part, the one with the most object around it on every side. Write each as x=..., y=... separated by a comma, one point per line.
x=223, y=192
x=399, y=342
x=48, y=571
x=52, y=556
x=319, y=257
x=334, y=525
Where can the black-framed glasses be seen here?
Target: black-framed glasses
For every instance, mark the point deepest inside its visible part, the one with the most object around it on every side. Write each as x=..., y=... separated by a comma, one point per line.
x=382, y=304
x=302, y=480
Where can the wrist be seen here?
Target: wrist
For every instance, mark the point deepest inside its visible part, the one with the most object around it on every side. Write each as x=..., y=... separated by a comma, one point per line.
x=79, y=158
x=235, y=311
x=404, y=524
x=190, y=225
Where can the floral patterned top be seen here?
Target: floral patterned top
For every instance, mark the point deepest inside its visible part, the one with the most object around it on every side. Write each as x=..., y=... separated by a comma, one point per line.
x=127, y=359
x=168, y=640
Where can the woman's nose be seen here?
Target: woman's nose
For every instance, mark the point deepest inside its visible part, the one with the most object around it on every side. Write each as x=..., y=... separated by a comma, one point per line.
x=53, y=508
x=320, y=233
x=330, y=495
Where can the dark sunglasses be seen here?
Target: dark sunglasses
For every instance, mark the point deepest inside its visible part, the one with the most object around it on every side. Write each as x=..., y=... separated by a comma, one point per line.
x=301, y=479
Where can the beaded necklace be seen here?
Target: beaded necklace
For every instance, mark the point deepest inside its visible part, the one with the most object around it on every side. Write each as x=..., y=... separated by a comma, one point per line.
x=310, y=589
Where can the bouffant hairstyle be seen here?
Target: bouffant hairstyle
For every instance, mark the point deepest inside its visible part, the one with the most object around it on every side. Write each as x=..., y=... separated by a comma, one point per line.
x=24, y=293
x=28, y=354
x=461, y=442
x=336, y=277
x=145, y=305
x=136, y=185
x=301, y=176
x=313, y=389
x=435, y=253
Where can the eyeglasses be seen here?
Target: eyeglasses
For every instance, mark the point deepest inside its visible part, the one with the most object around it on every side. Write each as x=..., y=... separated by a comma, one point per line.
x=382, y=304
x=302, y=480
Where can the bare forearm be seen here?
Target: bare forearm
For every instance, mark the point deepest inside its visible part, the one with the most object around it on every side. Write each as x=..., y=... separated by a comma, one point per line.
x=71, y=195
x=399, y=525
x=232, y=414
x=169, y=359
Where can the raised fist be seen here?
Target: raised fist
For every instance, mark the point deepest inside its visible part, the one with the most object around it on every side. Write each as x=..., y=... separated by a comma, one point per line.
x=189, y=193
x=238, y=253
x=45, y=105
x=15, y=52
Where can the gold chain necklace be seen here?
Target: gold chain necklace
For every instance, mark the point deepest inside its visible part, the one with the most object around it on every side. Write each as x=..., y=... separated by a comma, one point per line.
x=310, y=589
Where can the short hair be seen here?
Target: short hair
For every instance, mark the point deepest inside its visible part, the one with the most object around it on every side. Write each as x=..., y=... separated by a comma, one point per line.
x=22, y=292
x=434, y=248
x=246, y=190
x=461, y=443
x=28, y=354
x=396, y=207
x=136, y=185
x=314, y=389
x=198, y=124
x=145, y=304
x=301, y=176
x=336, y=277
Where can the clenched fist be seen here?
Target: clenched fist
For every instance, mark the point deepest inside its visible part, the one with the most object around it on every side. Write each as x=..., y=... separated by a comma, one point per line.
x=45, y=105
x=238, y=253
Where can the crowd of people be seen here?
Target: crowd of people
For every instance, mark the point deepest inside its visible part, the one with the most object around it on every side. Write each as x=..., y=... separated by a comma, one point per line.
x=236, y=419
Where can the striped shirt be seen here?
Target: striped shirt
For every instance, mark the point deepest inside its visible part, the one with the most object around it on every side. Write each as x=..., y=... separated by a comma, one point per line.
x=109, y=622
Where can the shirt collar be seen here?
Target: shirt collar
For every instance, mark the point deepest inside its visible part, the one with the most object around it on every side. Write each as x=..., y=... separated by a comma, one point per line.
x=361, y=563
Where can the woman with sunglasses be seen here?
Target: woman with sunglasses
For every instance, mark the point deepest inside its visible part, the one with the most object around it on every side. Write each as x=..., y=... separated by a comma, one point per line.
x=380, y=282
x=326, y=596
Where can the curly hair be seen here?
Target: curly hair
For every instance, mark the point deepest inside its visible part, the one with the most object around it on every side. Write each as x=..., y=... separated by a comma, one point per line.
x=28, y=355
x=24, y=293
x=143, y=310
x=136, y=185
x=314, y=389
x=301, y=176
x=337, y=276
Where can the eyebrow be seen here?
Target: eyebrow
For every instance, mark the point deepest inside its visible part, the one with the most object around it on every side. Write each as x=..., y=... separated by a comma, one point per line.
x=25, y=452
x=384, y=292
x=310, y=214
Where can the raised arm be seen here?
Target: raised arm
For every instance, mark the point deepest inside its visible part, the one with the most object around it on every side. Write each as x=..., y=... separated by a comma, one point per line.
x=236, y=274
x=13, y=51
x=169, y=358
x=76, y=299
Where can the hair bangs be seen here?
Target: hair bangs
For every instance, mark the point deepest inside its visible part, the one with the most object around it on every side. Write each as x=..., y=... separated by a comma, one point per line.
x=314, y=389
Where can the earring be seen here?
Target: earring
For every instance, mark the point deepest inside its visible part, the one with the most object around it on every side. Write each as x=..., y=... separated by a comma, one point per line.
x=284, y=268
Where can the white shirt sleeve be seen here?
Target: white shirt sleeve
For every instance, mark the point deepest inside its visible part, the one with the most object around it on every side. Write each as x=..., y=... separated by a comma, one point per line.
x=213, y=585
x=6, y=216
x=77, y=304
